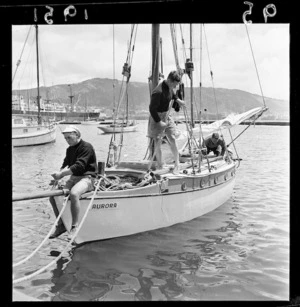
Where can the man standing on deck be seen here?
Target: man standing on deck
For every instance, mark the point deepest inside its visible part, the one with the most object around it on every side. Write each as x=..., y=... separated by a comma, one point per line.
x=81, y=163
x=215, y=144
x=160, y=122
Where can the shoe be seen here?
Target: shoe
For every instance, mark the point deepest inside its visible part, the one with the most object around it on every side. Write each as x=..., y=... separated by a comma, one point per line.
x=72, y=232
x=60, y=229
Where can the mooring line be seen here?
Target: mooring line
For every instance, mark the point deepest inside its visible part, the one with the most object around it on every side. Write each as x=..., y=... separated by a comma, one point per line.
x=47, y=236
x=67, y=246
x=36, y=231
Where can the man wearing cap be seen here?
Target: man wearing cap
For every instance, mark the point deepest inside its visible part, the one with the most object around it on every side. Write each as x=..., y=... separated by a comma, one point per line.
x=160, y=122
x=80, y=163
x=215, y=144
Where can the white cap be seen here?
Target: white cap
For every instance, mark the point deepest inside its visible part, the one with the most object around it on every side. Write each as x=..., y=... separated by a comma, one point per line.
x=72, y=128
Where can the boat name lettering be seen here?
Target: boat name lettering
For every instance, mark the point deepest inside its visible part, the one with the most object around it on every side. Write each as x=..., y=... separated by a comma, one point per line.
x=105, y=206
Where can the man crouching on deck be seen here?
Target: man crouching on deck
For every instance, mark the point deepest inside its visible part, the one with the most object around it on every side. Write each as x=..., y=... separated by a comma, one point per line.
x=82, y=166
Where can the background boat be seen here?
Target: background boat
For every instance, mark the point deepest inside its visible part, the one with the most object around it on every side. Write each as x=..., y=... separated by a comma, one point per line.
x=33, y=132
x=118, y=127
x=27, y=134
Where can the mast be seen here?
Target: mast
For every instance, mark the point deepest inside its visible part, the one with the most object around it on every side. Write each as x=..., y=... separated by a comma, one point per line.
x=191, y=74
x=86, y=112
x=38, y=76
x=71, y=97
x=155, y=55
x=161, y=57
x=114, y=85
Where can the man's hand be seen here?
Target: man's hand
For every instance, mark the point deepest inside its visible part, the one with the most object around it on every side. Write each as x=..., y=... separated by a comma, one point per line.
x=162, y=124
x=57, y=175
x=181, y=103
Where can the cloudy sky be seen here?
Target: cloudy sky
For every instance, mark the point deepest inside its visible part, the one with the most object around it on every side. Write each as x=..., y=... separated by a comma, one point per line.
x=75, y=53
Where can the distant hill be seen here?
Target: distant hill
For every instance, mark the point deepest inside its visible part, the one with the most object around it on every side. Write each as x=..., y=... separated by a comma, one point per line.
x=98, y=93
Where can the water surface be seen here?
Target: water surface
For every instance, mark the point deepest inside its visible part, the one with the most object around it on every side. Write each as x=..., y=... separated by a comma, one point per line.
x=240, y=251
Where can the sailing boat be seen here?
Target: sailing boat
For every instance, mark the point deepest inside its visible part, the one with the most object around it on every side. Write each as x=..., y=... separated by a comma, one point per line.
x=135, y=196
x=123, y=125
x=26, y=133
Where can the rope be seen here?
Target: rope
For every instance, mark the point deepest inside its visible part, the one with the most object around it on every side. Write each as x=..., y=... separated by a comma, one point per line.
x=235, y=148
x=239, y=135
x=182, y=40
x=189, y=138
x=15, y=281
x=255, y=66
x=114, y=77
x=123, y=91
x=211, y=74
x=47, y=236
x=129, y=59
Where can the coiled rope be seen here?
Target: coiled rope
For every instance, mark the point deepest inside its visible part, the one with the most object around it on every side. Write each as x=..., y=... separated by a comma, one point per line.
x=15, y=281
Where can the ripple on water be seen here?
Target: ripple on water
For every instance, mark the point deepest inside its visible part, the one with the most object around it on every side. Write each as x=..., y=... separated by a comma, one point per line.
x=227, y=254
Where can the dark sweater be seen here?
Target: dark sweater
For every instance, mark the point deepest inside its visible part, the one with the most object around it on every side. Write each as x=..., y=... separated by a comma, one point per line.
x=211, y=146
x=81, y=159
x=160, y=99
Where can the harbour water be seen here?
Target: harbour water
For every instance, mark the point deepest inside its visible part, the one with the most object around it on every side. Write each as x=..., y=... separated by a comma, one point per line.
x=240, y=251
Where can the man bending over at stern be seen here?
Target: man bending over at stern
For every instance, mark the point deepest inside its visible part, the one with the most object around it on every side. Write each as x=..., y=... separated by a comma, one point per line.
x=81, y=163
x=215, y=144
x=160, y=121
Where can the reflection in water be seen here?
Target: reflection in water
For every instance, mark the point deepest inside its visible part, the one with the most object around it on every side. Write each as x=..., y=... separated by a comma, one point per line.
x=143, y=268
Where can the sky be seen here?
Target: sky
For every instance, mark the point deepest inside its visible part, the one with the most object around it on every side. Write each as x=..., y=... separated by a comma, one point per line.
x=74, y=53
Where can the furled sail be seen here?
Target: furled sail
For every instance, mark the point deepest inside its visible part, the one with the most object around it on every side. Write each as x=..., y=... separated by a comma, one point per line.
x=228, y=122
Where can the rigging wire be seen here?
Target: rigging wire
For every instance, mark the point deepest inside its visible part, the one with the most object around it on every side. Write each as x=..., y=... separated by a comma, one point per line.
x=129, y=59
x=19, y=61
x=26, y=62
x=114, y=69
x=200, y=103
x=122, y=94
x=214, y=90
x=262, y=95
x=235, y=147
x=211, y=73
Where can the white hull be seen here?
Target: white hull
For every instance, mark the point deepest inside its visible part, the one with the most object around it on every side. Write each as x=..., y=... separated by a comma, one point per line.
x=109, y=129
x=178, y=199
x=36, y=135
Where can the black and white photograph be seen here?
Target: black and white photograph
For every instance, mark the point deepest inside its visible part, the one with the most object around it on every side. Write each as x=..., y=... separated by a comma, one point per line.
x=150, y=160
